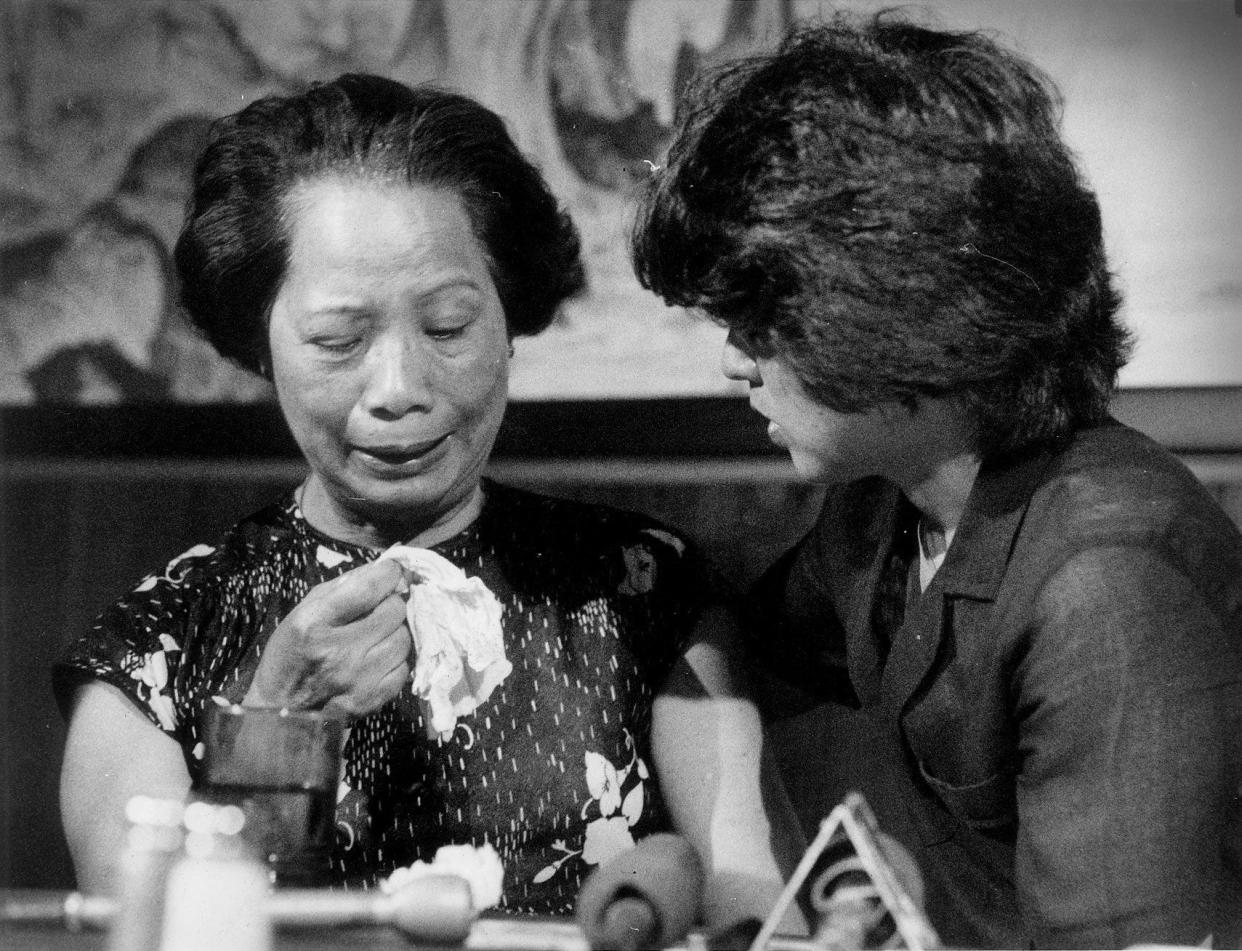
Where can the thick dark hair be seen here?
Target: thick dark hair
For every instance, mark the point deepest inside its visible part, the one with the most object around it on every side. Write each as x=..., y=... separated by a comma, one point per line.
x=891, y=209
x=233, y=251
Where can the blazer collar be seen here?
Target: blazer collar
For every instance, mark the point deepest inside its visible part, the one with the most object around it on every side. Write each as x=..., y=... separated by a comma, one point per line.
x=973, y=569
x=995, y=508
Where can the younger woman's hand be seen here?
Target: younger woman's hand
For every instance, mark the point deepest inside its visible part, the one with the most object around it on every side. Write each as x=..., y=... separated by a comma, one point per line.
x=346, y=645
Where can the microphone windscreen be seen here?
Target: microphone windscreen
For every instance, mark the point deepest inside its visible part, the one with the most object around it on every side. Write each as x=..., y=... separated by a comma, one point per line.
x=646, y=897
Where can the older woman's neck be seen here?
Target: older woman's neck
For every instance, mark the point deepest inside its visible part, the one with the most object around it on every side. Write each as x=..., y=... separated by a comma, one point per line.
x=369, y=528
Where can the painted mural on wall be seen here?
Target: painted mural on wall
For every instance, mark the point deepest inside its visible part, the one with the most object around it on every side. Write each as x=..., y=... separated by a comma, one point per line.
x=105, y=106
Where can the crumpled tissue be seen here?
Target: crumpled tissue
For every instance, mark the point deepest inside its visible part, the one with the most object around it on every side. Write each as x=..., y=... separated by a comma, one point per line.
x=459, y=645
x=479, y=865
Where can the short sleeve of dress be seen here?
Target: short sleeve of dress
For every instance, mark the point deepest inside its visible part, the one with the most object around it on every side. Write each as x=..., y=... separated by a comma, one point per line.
x=136, y=643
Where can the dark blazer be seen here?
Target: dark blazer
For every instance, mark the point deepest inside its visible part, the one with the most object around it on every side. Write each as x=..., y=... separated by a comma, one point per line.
x=1054, y=731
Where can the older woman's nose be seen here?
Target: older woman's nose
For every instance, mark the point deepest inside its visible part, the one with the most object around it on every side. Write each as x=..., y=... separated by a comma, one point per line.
x=737, y=364
x=399, y=378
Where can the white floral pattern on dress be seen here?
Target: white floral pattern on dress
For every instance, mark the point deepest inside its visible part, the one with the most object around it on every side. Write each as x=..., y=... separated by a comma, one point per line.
x=668, y=538
x=641, y=562
x=640, y=570
x=151, y=672
x=608, y=835
x=173, y=571
x=329, y=558
x=606, y=838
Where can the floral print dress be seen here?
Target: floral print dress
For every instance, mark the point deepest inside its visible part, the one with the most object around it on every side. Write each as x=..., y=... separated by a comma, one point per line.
x=553, y=770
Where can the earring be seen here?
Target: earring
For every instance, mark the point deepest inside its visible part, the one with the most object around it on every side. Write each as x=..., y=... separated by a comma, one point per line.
x=510, y=348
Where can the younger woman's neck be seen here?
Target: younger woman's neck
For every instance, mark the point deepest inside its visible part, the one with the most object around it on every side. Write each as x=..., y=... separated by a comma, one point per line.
x=941, y=463
x=941, y=494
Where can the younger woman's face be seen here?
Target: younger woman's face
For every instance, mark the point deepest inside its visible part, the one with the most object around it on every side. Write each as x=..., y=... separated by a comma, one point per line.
x=825, y=445
x=390, y=356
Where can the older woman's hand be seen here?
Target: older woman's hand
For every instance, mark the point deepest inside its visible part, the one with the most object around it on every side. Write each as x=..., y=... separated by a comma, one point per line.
x=345, y=645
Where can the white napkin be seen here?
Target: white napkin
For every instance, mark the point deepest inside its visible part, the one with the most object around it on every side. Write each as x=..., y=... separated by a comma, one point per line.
x=455, y=621
x=480, y=866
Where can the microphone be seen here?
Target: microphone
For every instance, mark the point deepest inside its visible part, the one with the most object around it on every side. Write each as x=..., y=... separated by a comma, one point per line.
x=646, y=897
x=74, y=910
x=434, y=909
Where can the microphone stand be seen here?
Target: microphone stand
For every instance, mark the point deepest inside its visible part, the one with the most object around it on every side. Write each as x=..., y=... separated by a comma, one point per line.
x=853, y=817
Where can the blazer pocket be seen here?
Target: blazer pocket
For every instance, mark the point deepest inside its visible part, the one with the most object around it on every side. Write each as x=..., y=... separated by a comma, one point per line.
x=985, y=805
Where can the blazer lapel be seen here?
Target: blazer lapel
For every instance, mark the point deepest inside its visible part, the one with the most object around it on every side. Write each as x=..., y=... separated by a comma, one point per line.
x=973, y=570
x=873, y=534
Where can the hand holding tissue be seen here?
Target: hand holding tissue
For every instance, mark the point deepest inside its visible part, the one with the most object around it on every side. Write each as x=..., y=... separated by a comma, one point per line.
x=459, y=646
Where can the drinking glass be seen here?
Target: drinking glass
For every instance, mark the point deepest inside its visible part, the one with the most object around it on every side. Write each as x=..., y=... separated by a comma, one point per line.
x=282, y=768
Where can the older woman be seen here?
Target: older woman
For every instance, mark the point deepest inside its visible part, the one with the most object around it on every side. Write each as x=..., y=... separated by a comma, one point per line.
x=1033, y=612
x=373, y=250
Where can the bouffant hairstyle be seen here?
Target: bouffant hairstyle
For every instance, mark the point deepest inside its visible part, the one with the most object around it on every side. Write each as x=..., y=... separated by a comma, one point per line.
x=890, y=208
x=233, y=251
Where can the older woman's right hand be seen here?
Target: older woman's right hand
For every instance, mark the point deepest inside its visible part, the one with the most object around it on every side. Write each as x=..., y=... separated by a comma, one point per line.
x=346, y=645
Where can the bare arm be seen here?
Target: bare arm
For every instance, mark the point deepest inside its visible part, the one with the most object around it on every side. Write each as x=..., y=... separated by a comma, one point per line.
x=720, y=783
x=345, y=644
x=112, y=753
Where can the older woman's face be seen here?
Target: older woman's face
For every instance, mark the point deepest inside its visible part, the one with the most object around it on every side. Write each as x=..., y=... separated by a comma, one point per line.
x=390, y=356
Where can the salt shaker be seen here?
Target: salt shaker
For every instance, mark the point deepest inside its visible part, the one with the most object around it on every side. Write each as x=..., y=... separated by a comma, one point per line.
x=218, y=889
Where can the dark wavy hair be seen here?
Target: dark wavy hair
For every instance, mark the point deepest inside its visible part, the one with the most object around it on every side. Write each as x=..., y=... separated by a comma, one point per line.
x=890, y=208
x=233, y=251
